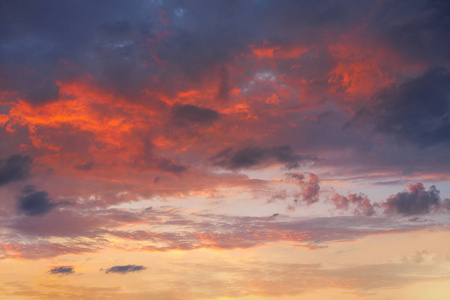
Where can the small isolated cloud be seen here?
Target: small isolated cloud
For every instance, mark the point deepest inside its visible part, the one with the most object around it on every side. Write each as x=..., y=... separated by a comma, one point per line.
x=125, y=269
x=254, y=157
x=62, y=270
x=35, y=204
x=15, y=168
x=361, y=203
x=416, y=200
x=309, y=186
x=190, y=114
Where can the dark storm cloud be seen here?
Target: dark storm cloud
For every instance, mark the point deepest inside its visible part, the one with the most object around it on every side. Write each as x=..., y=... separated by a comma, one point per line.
x=415, y=201
x=417, y=110
x=253, y=157
x=418, y=29
x=15, y=168
x=35, y=204
x=124, y=269
x=190, y=114
x=62, y=270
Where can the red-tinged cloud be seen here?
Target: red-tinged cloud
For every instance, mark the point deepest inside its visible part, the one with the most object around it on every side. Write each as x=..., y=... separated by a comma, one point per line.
x=44, y=249
x=170, y=101
x=309, y=187
x=361, y=203
x=171, y=229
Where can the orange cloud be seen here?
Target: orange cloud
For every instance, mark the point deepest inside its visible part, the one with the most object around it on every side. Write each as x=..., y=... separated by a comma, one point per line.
x=361, y=71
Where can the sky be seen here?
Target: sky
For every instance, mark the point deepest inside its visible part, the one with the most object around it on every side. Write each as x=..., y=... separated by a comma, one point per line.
x=250, y=149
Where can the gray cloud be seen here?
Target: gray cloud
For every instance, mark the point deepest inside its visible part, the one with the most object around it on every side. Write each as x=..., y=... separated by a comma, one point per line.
x=254, y=157
x=415, y=201
x=190, y=114
x=125, y=269
x=35, y=204
x=15, y=168
x=423, y=36
x=62, y=270
x=417, y=111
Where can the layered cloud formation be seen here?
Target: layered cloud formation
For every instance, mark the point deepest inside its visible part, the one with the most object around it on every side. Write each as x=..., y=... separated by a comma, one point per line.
x=161, y=127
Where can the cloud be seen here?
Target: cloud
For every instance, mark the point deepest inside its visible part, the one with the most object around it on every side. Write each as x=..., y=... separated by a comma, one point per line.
x=254, y=157
x=35, y=204
x=62, y=270
x=416, y=200
x=190, y=114
x=125, y=269
x=167, y=165
x=224, y=88
x=168, y=229
x=46, y=249
x=417, y=110
x=87, y=166
x=15, y=168
x=309, y=186
x=422, y=39
x=28, y=189
x=361, y=203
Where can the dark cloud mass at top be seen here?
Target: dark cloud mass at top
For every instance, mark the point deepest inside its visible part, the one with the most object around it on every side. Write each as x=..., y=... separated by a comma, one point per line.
x=417, y=110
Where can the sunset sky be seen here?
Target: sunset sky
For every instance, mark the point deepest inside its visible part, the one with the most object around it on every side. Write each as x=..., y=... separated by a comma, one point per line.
x=253, y=149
